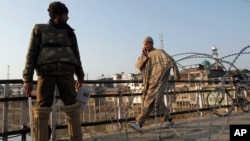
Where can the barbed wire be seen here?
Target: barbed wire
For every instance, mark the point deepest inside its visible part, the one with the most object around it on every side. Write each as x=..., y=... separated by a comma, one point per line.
x=246, y=1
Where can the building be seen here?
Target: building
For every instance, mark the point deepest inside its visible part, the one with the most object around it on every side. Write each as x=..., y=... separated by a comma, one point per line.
x=130, y=87
x=12, y=89
x=209, y=73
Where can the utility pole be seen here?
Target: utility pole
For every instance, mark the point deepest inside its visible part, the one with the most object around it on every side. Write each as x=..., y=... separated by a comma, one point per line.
x=8, y=72
x=161, y=41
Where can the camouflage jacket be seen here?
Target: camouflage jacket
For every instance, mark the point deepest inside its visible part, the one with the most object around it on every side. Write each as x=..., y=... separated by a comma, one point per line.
x=52, y=52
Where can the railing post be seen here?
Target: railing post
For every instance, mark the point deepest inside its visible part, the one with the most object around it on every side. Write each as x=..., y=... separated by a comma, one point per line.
x=200, y=103
x=168, y=100
x=120, y=109
x=5, y=111
x=53, y=117
x=24, y=116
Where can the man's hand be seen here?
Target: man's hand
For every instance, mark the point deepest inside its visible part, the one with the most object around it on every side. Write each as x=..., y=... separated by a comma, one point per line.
x=145, y=50
x=28, y=87
x=78, y=84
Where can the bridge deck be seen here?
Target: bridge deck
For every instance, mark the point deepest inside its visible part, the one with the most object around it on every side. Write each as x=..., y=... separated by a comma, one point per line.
x=203, y=128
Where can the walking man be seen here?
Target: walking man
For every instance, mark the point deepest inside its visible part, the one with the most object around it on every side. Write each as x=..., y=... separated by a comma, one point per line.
x=155, y=65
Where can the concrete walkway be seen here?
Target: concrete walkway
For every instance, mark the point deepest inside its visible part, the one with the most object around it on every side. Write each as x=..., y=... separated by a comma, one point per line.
x=194, y=128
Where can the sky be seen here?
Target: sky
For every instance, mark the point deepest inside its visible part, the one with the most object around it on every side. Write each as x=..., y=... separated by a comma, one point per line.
x=110, y=32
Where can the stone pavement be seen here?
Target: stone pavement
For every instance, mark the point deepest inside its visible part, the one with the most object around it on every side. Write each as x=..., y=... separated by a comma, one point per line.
x=206, y=128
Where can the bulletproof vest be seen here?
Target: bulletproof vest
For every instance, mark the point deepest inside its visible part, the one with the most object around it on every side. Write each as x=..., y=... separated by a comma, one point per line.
x=55, y=47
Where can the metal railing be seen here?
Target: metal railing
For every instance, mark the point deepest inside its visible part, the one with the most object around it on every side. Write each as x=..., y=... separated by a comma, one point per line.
x=103, y=109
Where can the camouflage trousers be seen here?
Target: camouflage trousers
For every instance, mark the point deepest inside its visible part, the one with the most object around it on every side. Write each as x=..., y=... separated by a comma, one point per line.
x=46, y=85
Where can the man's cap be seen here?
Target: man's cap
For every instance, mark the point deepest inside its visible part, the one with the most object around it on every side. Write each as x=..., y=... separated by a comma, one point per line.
x=57, y=8
x=148, y=39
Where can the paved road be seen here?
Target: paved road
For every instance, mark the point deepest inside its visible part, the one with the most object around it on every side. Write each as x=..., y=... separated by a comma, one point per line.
x=194, y=128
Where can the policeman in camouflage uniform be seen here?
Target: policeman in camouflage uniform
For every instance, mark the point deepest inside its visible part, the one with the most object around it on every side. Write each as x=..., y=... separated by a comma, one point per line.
x=53, y=52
